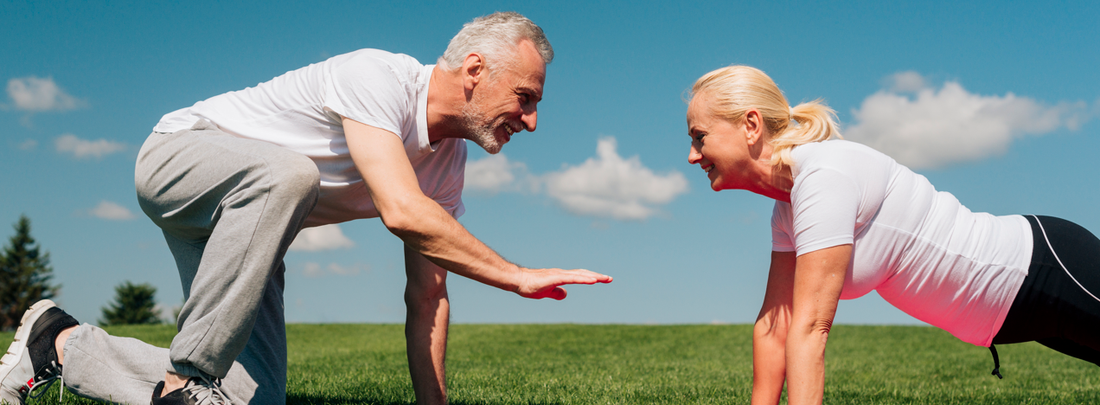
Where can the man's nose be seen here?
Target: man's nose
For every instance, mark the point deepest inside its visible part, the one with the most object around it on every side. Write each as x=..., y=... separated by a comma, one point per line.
x=530, y=120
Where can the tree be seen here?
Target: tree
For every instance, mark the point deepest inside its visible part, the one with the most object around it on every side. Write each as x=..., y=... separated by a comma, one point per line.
x=133, y=305
x=25, y=275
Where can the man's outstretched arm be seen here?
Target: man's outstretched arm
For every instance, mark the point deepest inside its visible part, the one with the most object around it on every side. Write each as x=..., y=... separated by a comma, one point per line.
x=429, y=230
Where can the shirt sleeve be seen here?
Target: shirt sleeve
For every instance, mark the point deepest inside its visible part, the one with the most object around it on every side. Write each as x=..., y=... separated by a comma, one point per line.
x=367, y=89
x=824, y=206
x=782, y=229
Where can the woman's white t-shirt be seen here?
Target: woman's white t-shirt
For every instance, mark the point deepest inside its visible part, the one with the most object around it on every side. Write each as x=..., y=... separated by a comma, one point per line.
x=922, y=250
x=302, y=110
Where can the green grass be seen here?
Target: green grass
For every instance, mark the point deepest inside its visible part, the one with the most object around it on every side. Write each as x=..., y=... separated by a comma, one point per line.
x=680, y=364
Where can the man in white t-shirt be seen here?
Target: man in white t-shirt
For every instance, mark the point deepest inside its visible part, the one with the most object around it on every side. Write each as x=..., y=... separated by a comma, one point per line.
x=232, y=179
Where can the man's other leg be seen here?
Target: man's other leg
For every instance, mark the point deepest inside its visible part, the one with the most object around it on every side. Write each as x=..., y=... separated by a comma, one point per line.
x=125, y=370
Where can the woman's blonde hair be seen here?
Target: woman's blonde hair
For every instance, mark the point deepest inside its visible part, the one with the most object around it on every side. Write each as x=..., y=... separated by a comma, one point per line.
x=733, y=90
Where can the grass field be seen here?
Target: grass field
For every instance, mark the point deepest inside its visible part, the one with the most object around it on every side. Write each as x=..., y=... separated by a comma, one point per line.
x=677, y=364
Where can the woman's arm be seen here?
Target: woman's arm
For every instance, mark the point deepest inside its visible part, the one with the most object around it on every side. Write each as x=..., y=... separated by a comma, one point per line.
x=769, y=337
x=818, y=280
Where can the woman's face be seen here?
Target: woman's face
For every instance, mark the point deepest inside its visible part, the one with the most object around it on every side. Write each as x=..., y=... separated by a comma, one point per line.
x=718, y=146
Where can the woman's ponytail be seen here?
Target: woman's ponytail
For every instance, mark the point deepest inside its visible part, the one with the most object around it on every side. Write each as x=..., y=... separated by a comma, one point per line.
x=814, y=122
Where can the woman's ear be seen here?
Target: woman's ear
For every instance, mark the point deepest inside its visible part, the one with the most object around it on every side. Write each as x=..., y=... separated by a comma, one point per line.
x=753, y=124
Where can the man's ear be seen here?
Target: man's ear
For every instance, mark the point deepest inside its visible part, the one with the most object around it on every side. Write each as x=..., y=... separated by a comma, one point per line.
x=473, y=71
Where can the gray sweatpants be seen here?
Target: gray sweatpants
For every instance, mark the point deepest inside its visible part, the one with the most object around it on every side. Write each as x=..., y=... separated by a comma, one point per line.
x=229, y=208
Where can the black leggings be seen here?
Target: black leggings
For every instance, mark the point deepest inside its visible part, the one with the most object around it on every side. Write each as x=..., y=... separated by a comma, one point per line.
x=1058, y=304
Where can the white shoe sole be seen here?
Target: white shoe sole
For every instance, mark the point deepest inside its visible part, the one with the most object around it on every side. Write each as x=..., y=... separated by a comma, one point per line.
x=19, y=344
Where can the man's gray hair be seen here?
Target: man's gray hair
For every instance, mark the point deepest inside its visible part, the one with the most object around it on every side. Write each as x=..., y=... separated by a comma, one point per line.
x=494, y=36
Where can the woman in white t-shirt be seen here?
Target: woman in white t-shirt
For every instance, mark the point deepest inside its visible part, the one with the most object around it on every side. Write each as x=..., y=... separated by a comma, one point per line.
x=849, y=219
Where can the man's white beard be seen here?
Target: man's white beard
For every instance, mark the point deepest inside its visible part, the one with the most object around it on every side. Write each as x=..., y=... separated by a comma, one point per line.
x=480, y=128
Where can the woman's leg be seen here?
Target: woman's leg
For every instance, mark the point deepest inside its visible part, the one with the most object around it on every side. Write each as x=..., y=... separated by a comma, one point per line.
x=1058, y=304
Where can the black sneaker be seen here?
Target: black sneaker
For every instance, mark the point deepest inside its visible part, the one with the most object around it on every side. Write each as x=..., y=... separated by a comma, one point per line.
x=31, y=360
x=197, y=391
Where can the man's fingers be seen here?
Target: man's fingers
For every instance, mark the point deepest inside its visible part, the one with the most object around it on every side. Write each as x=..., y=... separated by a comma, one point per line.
x=595, y=277
x=566, y=278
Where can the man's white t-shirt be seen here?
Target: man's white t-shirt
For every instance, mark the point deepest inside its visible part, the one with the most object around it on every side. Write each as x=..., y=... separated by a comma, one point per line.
x=922, y=250
x=301, y=110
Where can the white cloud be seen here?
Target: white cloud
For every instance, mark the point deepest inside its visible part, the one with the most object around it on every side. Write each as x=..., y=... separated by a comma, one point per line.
x=936, y=127
x=346, y=270
x=28, y=144
x=111, y=211
x=325, y=237
x=495, y=173
x=605, y=186
x=907, y=82
x=610, y=186
x=82, y=148
x=314, y=270
x=38, y=94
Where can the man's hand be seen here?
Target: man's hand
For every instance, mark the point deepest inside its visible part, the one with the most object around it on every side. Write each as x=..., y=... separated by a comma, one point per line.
x=430, y=231
x=546, y=283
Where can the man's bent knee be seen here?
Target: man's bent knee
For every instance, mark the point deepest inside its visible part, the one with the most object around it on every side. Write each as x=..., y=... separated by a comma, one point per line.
x=296, y=178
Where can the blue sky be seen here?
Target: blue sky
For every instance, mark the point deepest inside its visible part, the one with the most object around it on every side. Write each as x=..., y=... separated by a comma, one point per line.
x=995, y=102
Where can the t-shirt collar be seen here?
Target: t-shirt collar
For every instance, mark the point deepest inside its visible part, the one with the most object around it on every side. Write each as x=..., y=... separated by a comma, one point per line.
x=424, y=145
